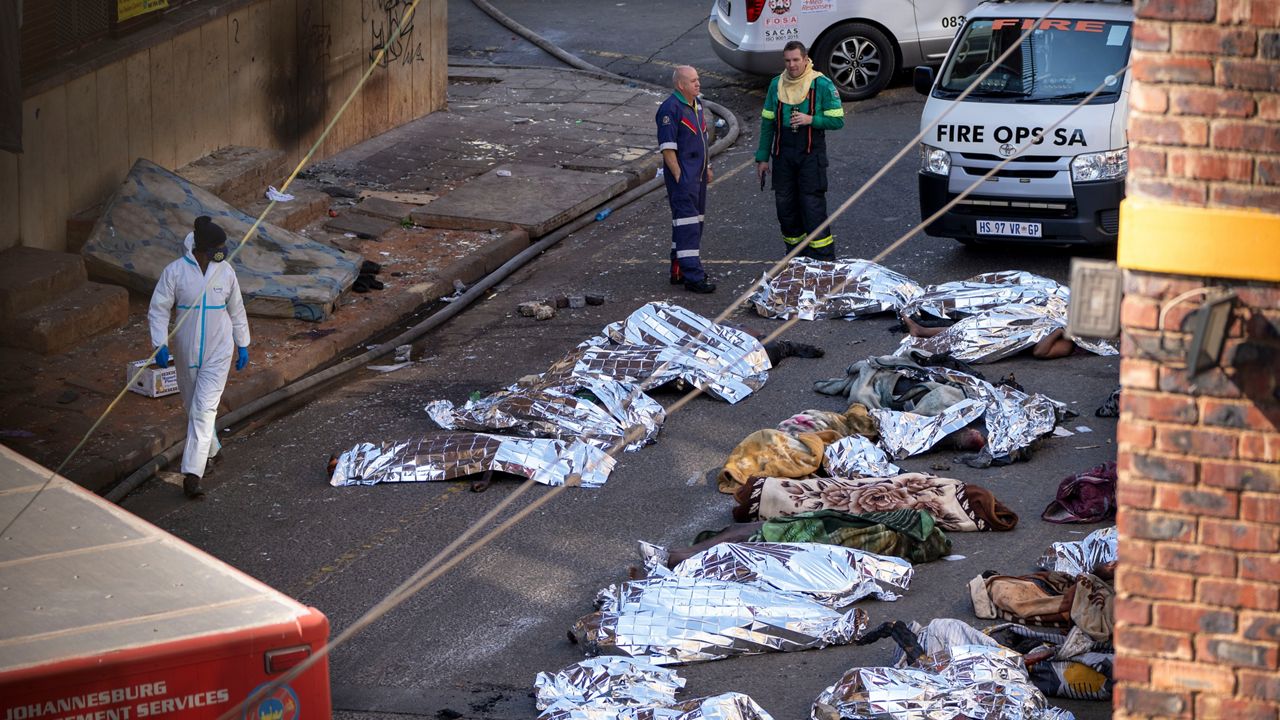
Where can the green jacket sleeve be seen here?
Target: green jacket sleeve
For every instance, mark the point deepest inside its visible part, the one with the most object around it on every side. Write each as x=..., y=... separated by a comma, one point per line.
x=767, y=122
x=830, y=112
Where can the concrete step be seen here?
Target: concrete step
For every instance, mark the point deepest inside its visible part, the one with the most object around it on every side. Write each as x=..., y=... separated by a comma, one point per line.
x=239, y=175
x=63, y=323
x=80, y=227
x=306, y=207
x=30, y=277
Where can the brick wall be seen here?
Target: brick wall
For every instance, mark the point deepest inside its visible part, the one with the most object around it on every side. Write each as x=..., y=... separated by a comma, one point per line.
x=1198, y=608
x=1205, y=126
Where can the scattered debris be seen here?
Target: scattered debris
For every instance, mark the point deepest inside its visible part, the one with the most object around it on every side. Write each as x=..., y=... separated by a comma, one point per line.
x=536, y=309
x=618, y=687
x=277, y=196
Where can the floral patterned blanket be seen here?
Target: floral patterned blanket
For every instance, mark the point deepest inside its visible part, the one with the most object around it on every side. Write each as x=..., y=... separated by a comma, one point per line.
x=954, y=504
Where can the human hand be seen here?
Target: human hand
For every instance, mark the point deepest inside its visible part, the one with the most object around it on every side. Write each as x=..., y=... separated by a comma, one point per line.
x=162, y=356
x=762, y=169
x=242, y=358
x=798, y=119
x=710, y=175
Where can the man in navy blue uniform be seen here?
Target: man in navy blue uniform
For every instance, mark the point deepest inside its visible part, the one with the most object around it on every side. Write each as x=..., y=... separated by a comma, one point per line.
x=682, y=138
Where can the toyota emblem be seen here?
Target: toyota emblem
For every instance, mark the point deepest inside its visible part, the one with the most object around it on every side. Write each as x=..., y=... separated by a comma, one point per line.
x=1007, y=150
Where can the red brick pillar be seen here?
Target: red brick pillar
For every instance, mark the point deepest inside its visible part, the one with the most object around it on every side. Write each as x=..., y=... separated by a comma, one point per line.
x=1198, y=612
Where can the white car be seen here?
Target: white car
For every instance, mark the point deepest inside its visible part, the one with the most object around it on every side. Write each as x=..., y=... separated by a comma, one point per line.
x=859, y=44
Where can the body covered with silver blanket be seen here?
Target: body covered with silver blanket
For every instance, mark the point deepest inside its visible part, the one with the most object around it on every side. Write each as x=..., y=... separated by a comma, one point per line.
x=959, y=299
x=817, y=289
x=451, y=455
x=659, y=343
x=970, y=682
x=832, y=575
x=620, y=688
x=613, y=410
x=1098, y=548
x=996, y=333
x=682, y=620
x=855, y=456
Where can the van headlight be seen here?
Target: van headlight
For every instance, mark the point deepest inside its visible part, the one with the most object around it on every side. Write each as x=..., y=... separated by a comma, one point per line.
x=934, y=160
x=1107, y=165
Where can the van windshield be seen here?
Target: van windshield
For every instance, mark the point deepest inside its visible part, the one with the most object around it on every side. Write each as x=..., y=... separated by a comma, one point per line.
x=1062, y=60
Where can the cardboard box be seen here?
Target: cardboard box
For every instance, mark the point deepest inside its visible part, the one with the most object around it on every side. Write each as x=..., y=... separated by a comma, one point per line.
x=154, y=382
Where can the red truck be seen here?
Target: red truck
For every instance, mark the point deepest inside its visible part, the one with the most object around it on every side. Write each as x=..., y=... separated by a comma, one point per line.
x=104, y=616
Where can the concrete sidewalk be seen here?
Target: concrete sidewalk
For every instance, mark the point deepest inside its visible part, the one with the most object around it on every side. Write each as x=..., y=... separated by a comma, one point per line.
x=519, y=152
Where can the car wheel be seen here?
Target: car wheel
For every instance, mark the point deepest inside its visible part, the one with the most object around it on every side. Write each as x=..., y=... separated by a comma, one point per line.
x=858, y=58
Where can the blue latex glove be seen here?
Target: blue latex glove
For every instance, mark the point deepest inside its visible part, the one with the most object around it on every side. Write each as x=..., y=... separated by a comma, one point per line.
x=242, y=357
x=162, y=356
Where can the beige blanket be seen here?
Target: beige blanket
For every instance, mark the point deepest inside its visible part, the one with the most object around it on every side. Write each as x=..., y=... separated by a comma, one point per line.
x=954, y=504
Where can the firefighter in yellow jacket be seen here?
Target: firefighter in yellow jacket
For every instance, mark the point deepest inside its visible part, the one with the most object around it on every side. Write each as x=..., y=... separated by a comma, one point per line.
x=802, y=104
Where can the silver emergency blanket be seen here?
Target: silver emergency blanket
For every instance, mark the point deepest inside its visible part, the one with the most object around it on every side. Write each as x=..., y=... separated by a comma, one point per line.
x=659, y=343
x=903, y=434
x=680, y=620
x=620, y=688
x=1013, y=418
x=832, y=575
x=817, y=289
x=996, y=333
x=1082, y=556
x=725, y=706
x=975, y=682
x=446, y=456
x=962, y=298
x=560, y=412
x=618, y=681
x=854, y=456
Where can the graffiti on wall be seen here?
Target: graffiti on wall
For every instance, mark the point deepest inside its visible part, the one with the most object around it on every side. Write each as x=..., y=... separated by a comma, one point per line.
x=384, y=18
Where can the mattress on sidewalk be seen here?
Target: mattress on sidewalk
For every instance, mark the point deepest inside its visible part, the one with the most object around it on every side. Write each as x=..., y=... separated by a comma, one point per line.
x=281, y=273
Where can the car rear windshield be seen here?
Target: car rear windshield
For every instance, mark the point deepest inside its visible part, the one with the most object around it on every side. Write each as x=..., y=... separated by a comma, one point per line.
x=1061, y=60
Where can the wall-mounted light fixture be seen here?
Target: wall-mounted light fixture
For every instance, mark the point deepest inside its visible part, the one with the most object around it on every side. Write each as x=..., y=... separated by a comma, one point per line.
x=1209, y=331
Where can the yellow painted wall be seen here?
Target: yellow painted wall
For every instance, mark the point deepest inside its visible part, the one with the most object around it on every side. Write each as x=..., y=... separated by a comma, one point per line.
x=271, y=74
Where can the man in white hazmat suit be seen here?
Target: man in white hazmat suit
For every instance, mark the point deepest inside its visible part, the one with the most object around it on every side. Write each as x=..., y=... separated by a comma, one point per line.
x=215, y=329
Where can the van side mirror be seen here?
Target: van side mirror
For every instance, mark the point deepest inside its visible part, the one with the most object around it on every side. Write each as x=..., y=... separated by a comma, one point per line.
x=923, y=79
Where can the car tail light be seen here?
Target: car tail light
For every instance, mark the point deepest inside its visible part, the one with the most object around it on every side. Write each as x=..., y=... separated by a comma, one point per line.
x=277, y=661
x=754, y=8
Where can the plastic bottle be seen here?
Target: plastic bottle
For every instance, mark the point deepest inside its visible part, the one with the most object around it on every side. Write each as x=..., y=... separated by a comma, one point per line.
x=603, y=214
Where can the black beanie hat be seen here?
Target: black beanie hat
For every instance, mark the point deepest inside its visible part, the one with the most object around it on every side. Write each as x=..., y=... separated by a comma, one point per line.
x=208, y=236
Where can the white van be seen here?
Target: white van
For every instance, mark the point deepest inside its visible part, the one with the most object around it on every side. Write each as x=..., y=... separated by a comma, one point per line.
x=1066, y=188
x=859, y=44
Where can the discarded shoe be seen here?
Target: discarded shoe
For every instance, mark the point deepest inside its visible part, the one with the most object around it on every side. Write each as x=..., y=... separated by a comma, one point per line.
x=191, y=487
x=365, y=282
x=702, y=287
x=779, y=349
x=676, y=276
x=369, y=267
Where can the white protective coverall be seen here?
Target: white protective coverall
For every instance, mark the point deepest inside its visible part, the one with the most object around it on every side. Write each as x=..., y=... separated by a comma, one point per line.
x=204, y=345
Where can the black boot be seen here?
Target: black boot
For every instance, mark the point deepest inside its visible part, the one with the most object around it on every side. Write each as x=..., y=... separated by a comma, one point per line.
x=191, y=486
x=701, y=287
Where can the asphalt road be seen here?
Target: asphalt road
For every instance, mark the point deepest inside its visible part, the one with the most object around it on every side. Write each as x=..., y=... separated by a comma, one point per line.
x=472, y=642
